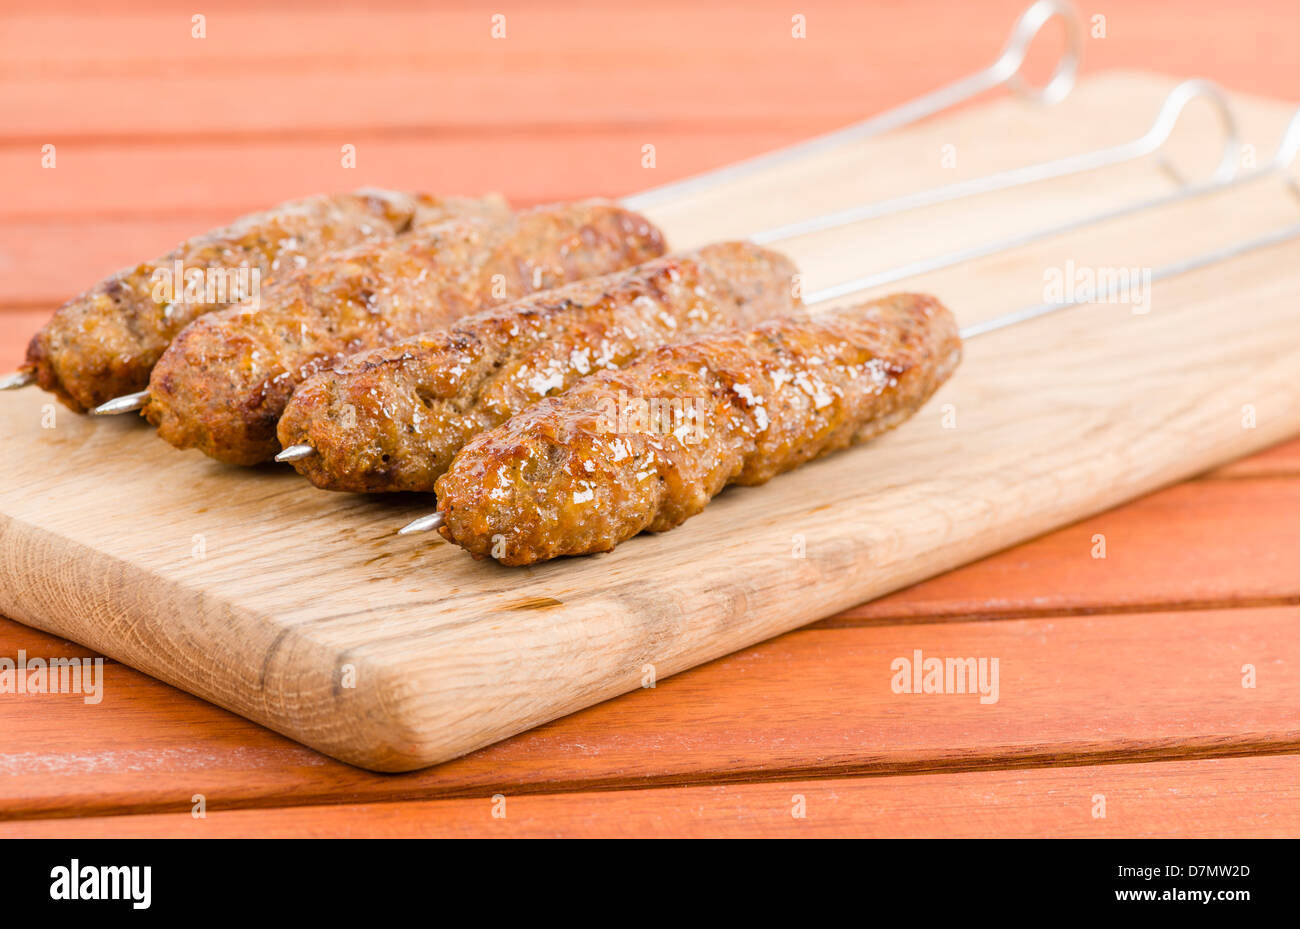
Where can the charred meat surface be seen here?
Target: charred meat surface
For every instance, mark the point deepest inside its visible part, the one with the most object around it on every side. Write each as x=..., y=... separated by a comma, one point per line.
x=223, y=383
x=391, y=419
x=104, y=342
x=582, y=472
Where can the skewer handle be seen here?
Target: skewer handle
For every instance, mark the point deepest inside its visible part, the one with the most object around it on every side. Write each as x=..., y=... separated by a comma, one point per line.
x=1005, y=70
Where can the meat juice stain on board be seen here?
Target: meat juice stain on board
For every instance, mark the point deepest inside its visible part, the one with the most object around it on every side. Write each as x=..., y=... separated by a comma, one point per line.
x=531, y=603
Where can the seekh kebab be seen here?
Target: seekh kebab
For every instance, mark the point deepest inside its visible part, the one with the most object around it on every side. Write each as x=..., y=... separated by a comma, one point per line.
x=224, y=381
x=104, y=342
x=391, y=419
x=565, y=477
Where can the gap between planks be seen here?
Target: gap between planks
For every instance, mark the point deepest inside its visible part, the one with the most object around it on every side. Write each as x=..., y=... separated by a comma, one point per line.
x=1156, y=783
x=1135, y=716
x=847, y=620
x=752, y=777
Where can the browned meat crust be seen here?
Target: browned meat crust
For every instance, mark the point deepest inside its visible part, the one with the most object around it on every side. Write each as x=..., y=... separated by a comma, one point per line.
x=582, y=472
x=225, y=380
x=103, y=343
x=392, y=419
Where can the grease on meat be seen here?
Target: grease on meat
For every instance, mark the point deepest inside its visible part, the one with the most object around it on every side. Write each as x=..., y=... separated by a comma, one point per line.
x=104, y=342
x=391, y=419
x=562, y=478
x=223, y=383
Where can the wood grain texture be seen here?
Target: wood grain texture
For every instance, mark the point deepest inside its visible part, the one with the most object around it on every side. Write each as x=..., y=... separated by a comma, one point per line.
x=206, y=180
x=297, y=590
x=1282, y=460
x=816, y=702
x=58, y=256
x=17, y=638
x=559, y=63
x=874, y=56
x=857, y=57
x=148, y=743
x=1220, y=798
x=1198, y=545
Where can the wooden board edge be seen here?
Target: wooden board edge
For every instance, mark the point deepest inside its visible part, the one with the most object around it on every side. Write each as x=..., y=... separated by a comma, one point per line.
x=94, y=602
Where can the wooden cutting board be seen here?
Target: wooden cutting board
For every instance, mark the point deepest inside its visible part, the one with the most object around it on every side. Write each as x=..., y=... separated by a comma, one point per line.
x=301, y=610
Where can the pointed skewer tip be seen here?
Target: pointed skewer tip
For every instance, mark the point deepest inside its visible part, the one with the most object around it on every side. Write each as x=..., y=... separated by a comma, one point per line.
x=423, y=524
x=126, y=403
x=295, y=453
x=17, y=381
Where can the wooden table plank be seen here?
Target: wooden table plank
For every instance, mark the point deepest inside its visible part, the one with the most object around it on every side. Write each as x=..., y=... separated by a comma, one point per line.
x=1201, y=543
x=16, y=329
x=895, y=46
x=1280, y=461
x=1204, y=521
x=207, y=181
x=559, y=63
x=1056, y=566
x=1072, y=690
x=16, y=638
x=45, y=258
x=1217, y=798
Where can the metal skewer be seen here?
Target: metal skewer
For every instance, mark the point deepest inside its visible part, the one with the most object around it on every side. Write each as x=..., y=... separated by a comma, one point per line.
x=1149, y=142
x=127, y=403
x=434, y=521
x=1173, y=269
x=428, y=523
x=18, y=381
x=1005, y=70
x=1279, y=164
x=295, y=453
x=1287, y=150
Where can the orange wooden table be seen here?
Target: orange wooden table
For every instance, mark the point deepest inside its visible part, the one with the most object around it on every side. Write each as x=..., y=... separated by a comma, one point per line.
x=1129, y=668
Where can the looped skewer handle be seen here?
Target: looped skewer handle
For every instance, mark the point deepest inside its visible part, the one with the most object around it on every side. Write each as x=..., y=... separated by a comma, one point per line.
x=1149, y=142
x=1279, y=164
x=1183, y=266
x=1024, y=32
x=1005, y=70
x=1172, y=110
x=1152, y=140
x=1287, y=151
